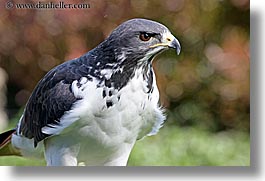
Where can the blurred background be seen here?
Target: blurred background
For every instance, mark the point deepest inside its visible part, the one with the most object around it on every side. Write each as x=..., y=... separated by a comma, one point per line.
x=205, y=90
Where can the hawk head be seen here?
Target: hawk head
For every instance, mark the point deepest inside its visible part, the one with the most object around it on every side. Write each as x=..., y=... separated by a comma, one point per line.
x=137, y=41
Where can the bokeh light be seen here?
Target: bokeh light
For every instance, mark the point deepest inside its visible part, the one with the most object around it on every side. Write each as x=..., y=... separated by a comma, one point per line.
x=207, y=86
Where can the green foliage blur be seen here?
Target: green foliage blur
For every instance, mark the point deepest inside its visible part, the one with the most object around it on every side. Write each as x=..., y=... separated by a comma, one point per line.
x=175, y=146
x=205, y=90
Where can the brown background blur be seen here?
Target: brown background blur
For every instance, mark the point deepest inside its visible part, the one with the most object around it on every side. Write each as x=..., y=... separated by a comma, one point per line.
x=206, y=86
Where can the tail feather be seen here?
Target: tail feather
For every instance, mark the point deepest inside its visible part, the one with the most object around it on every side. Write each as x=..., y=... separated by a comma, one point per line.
x=6, y=148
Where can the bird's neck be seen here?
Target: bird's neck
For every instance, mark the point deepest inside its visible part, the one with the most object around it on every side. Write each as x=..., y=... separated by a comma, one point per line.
x=115, y=69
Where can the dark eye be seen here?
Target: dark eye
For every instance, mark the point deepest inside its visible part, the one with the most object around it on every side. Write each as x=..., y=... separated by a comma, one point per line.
x=145, y=36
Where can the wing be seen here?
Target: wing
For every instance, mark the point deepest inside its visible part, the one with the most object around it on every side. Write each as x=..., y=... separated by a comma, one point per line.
x=51, y=98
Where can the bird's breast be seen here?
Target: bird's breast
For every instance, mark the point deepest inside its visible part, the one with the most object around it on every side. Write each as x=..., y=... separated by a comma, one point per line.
x=108, y=115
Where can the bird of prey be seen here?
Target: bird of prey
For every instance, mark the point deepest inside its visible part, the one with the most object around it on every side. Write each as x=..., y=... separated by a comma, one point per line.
x=92, y=109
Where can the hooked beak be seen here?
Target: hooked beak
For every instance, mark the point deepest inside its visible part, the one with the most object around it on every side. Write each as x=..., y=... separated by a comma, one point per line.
x=176, y=45
x=168, y=40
